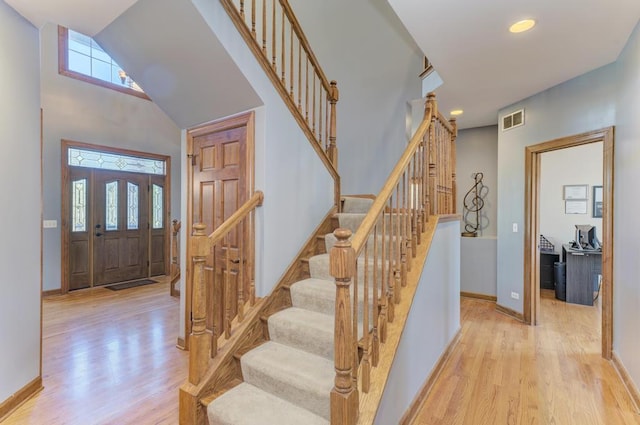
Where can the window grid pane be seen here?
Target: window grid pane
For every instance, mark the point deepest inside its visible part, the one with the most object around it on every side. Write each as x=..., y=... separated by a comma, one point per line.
x=157, y=207
x=79, y=206
x=111, y=212
x=112, y=161
x=83, y=50
x=132, y=206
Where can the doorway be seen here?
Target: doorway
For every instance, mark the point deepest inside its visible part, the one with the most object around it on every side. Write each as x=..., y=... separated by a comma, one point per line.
x=532, y=227
x=220, y=180
x=115, y=211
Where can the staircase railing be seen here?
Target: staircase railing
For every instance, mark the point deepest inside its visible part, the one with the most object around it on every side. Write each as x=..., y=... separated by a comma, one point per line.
x=372, y=264
x=175, y=258
x=274, y=35
x=232, y=286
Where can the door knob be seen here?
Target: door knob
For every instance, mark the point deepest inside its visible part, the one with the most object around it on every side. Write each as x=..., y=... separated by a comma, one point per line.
x=98, y=234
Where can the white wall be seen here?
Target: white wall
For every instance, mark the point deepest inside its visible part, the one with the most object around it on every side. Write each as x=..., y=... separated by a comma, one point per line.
x=84, y=112
x=434, y=319
x=579, y=105
x=20, y=191
x=626, y=267
x=364, y=47
x=573, y=166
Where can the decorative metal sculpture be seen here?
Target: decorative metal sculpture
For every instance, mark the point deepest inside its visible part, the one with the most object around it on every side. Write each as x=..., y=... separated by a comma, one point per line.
x=473, y=203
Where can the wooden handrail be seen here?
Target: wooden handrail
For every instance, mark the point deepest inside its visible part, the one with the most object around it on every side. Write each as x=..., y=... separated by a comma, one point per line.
x=254, y=201
x=290, y=64
x=379, y=256
x=204, y=344
x=360, y=237
x=175, y=258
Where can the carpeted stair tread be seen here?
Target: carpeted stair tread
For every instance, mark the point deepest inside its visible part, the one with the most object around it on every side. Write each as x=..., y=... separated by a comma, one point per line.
x=294, y=375
x=248, y=405
x=303, y=329
x=320, y=296
x=356, y=204
x=350, y=221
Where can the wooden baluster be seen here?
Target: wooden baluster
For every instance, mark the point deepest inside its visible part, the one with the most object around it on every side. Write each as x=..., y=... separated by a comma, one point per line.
x=251, y=263
x=391, y=276
x=242, y=9
x=264, y=27
x=383, y=281
x=375, y=343
x=175, y=258
x=199, y=341
x=299, y=76
x=414, y=205
x=227, y=289
x=283, y=53
x=253, y=20
x=344, y=397
x=333, y=148
x=419, y=192
x=355, y=305
x=433, y=193
x=454, y=187
x=273, y=38
x=306, y=91
x=327, y=108
x=313, y=102
x=405, y=242
x=320, y=119
x=398, y=267
x=241, y=261
x=291, y=62
x=366, y=365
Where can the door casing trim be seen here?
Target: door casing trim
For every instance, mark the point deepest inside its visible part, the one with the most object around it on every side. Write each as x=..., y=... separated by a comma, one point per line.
x=531, y=292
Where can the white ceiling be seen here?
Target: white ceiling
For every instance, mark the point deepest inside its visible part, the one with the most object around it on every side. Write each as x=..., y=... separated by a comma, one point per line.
x=483, y=66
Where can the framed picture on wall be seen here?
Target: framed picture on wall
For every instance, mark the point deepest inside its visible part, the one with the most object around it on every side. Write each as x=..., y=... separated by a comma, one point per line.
x=575, y=191
x=597, y=202
x=578, y=206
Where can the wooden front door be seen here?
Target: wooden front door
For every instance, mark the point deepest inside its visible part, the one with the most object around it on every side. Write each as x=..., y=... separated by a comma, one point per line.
x=220, y=186
x=121, y=226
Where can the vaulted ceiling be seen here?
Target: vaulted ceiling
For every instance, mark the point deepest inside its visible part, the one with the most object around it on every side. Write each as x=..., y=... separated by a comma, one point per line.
x=483, y=66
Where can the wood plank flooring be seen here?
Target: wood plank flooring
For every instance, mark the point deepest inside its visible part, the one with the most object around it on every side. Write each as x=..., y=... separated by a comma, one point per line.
x=503, y=372
x=109, y=357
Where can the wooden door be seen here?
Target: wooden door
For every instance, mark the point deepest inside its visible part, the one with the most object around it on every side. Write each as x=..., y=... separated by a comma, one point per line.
x=219, y=189
x=121, y=226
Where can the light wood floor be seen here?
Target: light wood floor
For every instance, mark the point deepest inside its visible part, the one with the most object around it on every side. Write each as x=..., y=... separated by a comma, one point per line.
x=503, y=372
x=109, y=357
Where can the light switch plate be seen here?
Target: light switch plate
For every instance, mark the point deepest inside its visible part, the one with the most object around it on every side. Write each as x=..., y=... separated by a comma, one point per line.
x=515, y=227
x=50, y=224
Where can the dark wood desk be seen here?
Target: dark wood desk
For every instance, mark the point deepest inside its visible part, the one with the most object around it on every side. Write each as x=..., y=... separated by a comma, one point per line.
x=583, y=268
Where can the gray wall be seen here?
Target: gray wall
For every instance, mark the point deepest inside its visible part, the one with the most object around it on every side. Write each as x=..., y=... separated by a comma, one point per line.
x=626, y=267
x=376, y=64
x=84, y=112
x=477, y=151
x=582, y=104
x=434, y=319
x=20, y=191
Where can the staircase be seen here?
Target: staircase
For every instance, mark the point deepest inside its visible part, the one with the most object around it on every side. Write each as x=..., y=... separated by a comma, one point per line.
x=288, y=379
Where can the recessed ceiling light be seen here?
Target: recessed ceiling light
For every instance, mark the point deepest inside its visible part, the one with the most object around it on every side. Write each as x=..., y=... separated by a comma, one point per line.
x=456, y=112
x=522, y=26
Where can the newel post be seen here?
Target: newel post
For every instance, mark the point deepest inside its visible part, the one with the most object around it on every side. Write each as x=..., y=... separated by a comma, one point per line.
x=332, y=152
x=344, y=397
x=200, y=340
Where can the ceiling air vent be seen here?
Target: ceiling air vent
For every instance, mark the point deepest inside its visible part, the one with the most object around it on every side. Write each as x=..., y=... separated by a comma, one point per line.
x=514, y=119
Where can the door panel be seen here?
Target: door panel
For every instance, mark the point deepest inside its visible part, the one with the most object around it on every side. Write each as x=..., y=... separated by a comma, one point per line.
x=121, y=226
x=219, y=189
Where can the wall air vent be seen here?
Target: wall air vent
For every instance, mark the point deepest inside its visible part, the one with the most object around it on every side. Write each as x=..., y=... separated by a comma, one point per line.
x=514, y=119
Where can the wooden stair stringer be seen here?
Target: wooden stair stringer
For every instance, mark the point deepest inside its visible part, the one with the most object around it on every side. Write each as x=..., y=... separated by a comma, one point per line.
x=224, y=370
